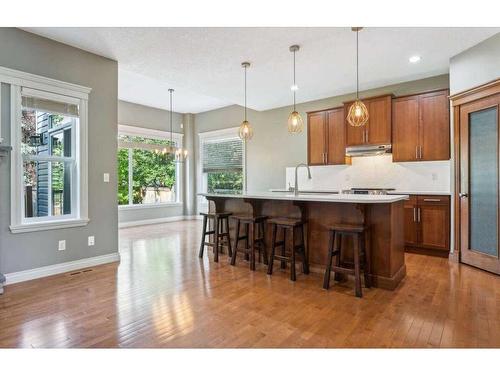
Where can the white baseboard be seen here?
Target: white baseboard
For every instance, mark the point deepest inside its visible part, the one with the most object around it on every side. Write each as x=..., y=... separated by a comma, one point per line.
x=161, y=220
x=36, y=273
x=193, y=217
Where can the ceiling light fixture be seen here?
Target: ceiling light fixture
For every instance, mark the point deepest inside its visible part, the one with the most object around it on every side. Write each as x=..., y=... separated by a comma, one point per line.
x=180, y=154
x=295, y=123
x=414, y=59
x=358, y=113
x=246, y=131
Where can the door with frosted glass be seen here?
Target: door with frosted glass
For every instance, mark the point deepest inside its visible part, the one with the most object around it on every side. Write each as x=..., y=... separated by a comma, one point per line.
x=479, y=183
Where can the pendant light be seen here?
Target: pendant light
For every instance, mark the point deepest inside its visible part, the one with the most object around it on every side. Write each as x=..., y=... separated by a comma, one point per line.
x=180, y=154
x=358, y=113
x=295, y=123
x=245, y=131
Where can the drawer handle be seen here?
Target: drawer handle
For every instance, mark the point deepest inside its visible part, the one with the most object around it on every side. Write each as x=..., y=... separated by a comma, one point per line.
x=432, y=200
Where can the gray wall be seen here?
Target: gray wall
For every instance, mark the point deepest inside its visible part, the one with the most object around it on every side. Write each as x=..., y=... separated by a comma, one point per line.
x=475, y=66
x=33, y=54
x=151, y=118
x=272, y=148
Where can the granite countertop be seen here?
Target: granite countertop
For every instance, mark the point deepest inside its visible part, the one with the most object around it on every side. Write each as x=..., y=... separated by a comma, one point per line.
x=414, y=192
x=339, y=198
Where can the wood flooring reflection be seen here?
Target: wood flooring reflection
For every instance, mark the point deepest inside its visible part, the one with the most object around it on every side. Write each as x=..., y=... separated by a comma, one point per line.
x=162, y=295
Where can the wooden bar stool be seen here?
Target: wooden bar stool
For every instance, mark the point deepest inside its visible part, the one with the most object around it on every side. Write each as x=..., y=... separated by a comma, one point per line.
x=220, y=232
x=361, y=255
x=292, y=225
x=254, y=236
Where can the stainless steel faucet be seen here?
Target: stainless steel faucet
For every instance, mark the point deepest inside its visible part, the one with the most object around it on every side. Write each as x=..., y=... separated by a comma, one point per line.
x=296, y=192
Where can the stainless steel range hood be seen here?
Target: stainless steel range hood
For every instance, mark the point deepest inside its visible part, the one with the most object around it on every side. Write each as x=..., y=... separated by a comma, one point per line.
x=368, y=150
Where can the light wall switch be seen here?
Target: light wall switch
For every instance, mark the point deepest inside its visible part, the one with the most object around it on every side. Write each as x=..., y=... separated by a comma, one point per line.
x=106, y=177
x=62, y=245
x=91, y=241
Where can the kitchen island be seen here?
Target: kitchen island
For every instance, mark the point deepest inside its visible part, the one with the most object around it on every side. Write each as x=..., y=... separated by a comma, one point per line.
x=383, y=214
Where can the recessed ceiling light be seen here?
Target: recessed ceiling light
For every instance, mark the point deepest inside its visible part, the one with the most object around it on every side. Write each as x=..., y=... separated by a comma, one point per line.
x=294, y=87
x=414, y=59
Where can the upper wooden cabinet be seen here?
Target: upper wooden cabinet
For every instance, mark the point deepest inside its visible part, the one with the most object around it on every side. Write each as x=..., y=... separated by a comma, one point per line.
x=326, y=137
x=421, y=127
x=378, y=128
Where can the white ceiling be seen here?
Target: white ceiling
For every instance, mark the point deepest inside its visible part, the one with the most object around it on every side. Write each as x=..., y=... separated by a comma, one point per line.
x=204, y=64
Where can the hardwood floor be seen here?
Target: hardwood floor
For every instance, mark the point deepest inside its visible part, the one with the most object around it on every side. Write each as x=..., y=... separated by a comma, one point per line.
x=163, y=295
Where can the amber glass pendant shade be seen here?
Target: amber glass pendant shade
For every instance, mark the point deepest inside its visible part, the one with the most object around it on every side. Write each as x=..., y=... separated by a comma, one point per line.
x=295, y=123
x=246, y=131
x=358, y=114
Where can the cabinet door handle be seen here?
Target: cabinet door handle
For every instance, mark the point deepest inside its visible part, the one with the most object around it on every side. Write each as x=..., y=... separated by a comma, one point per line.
x=414, y=214
x=416, y=152
x=366, y=137
x=432, y=200
x=326, y=157
x=420, y=152
x=418, y=212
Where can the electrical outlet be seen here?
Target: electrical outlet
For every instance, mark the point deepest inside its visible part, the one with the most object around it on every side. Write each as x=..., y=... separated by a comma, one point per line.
x=434, y=177
x=62, y=245
x=91, y=240
x=106, y=177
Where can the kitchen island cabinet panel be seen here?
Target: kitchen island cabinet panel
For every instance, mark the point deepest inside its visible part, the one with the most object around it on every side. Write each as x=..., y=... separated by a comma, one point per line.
x=384, y=219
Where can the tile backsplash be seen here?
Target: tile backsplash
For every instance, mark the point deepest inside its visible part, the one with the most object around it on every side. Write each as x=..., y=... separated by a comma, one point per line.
x=377, y=171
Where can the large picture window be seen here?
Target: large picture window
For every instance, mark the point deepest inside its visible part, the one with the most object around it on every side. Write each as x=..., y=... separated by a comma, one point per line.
x=49, y=155
x=146, y=176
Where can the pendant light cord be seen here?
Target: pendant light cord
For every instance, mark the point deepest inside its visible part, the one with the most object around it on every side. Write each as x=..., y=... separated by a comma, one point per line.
x=245, y=93
x=294, y=84
x=357, y=64
x=171, y=117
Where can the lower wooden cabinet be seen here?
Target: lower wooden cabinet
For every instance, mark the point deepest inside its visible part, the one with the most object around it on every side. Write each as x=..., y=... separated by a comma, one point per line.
x=427, y=224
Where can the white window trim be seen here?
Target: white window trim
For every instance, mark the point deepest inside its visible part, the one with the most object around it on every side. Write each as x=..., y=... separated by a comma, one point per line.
x=52, y=88
x=1, y=139
x=216, y=135
x=178, y=138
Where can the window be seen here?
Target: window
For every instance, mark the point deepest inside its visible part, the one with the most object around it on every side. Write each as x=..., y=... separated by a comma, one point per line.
x=49, y=157
x=147, y=177
x=221, y=162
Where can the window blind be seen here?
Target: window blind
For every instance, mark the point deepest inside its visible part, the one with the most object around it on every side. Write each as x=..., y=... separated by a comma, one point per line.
x=223, y=155
x=46, y=105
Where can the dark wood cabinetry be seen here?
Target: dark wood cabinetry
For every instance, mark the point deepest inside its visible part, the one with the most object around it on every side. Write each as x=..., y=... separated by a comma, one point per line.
x=427, y=224
x=326, y=137
x=421, y=127
x=378, y=128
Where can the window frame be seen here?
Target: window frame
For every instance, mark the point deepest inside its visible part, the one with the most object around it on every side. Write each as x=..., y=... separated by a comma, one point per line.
x=214, y=136
x=177, y=138
x=48, y=88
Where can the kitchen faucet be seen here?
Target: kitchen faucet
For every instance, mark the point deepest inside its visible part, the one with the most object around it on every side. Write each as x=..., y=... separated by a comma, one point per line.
x=296, y=192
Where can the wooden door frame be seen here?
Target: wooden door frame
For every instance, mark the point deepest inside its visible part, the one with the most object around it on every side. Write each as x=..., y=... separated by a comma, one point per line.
x=464, y=97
